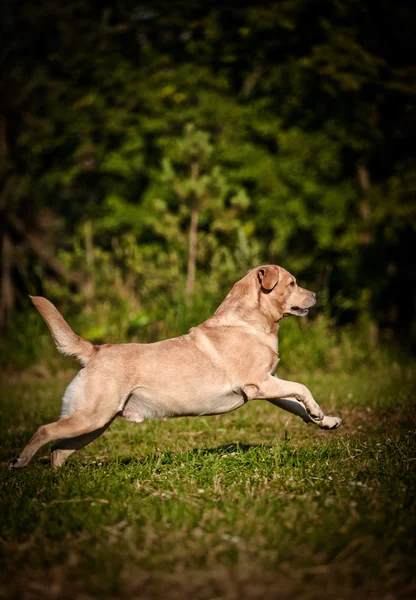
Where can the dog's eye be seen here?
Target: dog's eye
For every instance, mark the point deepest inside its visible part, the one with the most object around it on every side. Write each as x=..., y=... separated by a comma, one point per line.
x=292, y=283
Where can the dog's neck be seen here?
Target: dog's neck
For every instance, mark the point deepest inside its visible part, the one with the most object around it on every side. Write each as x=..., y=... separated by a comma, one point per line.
x=242, y=307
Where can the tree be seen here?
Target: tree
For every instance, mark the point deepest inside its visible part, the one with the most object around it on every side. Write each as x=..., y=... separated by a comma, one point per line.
x=200, y=187
x=289, y=104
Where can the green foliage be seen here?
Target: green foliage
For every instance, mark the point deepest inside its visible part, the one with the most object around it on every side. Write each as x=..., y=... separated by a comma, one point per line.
x=288, y=128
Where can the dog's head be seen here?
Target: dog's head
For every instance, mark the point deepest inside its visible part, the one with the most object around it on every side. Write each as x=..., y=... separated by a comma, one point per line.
x=279, y=294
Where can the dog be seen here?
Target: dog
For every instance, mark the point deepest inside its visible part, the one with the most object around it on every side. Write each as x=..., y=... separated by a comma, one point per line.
x=217, y=367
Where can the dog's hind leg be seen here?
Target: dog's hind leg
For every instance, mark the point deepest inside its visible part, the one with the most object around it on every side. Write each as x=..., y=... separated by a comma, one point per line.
x=63, y=448
x=89, y=406
x=76, y=426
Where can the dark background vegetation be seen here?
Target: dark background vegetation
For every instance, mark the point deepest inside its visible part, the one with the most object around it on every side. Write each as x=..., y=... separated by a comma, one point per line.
x=151, y=153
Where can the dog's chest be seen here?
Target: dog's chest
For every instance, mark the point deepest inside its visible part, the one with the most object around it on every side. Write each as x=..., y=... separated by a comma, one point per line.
x=238, y=351
x=276, y=358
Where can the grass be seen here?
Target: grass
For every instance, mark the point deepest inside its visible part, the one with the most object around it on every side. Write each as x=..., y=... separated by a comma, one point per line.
x=253, y=504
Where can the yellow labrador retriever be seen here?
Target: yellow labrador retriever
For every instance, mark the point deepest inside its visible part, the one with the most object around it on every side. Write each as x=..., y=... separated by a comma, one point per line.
x=215, y=368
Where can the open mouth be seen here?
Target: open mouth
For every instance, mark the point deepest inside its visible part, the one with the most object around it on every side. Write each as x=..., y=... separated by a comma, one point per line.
x=298, y=311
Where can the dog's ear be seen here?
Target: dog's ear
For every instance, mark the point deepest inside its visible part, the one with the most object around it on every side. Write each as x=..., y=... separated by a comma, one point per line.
x=268, y=277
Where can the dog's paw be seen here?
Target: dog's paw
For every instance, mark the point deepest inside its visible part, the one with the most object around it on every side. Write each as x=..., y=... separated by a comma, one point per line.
x=14, y=463
x=316, y=415
x=330, y=423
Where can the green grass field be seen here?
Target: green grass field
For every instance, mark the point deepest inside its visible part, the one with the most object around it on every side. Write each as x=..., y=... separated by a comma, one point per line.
x=253, y=504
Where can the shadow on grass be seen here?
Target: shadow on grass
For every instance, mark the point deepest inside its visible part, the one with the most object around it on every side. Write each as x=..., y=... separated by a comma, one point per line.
x=232, y=448
x=170, y=457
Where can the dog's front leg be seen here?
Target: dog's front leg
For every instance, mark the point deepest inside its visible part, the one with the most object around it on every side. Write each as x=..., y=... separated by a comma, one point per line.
x=293, y=397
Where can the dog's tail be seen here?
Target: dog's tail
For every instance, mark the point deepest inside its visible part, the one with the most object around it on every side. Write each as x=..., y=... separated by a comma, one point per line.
x=65, y=339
